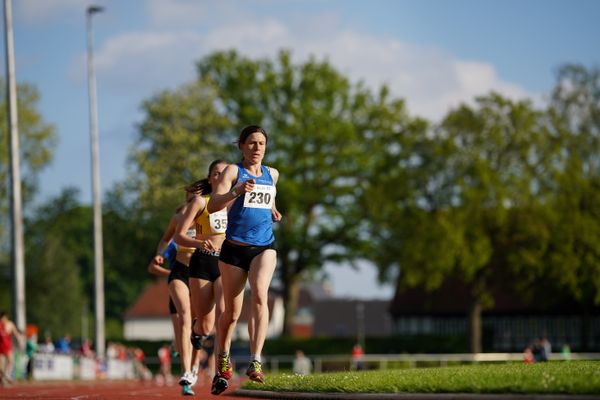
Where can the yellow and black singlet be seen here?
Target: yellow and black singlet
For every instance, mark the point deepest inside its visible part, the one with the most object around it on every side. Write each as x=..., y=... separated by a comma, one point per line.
x=210, y=224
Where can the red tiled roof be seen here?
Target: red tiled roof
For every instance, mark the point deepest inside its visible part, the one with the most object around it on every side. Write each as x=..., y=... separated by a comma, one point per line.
x=152, y=303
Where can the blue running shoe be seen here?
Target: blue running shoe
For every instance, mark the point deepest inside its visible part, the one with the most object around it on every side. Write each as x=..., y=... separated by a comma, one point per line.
x=186, y=390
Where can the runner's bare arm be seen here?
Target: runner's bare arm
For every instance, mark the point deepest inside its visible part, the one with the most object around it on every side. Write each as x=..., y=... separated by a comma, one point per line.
x=274, y=211
x=192, y=208
x=226, y=192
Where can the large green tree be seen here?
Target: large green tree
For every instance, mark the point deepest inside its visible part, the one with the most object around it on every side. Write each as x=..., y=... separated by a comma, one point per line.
x=501, y=163
x=573, y=257
x=458, y=196
x=320, y=125
x=59, y=254
x=130, y=240
x=180, y=134
x=37, y=143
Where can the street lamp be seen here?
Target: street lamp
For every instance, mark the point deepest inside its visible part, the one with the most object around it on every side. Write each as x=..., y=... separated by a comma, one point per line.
x=16, y=215
x=98, y=248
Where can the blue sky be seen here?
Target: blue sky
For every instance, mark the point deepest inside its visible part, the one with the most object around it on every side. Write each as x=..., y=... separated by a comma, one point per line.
x=434, y=53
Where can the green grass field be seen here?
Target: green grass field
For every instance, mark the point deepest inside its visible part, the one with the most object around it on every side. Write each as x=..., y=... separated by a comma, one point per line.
x=574, y=377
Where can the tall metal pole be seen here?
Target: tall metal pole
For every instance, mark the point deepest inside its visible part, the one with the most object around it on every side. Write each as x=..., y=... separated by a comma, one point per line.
x=17, y=248
x=98, y=247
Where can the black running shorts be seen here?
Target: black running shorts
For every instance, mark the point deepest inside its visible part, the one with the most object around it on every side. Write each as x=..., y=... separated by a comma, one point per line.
x=204, y=266
x=179, y=271
x=241, y=256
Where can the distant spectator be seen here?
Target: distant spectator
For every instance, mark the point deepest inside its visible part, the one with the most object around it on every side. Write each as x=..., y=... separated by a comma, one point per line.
x=528, y=355
x=47, y=347
x=164, y=357
x=539, y=353
x=547, y=347
x=566, y=352
x=140, y=367
x=86, y=349
x=357, y=357
x=31, y=347
x=8, y=330
x=111, y=350
x=302, y=364
x=63, y=345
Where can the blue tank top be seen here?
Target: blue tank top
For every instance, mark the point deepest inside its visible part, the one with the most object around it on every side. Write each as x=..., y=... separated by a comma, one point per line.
x=249, y=220
x=171, y=253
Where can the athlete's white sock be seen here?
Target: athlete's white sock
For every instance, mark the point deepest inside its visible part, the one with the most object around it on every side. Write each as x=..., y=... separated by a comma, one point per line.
x=257, y=357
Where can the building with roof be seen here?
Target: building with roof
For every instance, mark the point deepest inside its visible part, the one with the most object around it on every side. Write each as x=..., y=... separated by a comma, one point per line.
x=148, y=318
x=511, y=323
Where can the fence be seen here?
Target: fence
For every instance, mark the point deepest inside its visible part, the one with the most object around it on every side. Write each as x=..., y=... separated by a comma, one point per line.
x=64, y=367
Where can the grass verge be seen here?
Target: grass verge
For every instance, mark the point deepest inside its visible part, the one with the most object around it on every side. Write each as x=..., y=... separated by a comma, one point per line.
x=574, y=377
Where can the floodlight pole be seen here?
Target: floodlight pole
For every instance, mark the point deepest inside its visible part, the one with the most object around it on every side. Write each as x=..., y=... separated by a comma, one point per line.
x=17, y=241
x=98, y=247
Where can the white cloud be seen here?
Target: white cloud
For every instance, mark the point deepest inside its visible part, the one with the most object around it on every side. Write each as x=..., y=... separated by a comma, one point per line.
x=429, y=78
x=179, y=14
x=176, y=12
x=42, y=11
x=143, y=61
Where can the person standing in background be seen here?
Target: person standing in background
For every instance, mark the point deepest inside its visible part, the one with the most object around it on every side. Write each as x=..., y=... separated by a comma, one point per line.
x=302, y=365
x=31, y=347
x=357, y=357
x=8, y=330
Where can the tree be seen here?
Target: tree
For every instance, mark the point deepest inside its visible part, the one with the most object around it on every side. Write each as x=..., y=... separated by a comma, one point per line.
x=129, y=244
x=181, y=133
x=317, y=122
x=454, y=197
x=573, y=257
x=37, y=142
x=54, y=289
x=58, y=244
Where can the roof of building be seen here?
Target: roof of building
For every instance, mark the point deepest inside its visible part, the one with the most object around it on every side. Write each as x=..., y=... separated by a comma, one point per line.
x=154, y=300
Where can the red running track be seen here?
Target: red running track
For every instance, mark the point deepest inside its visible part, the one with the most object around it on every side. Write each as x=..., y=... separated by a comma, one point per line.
x=82, y=390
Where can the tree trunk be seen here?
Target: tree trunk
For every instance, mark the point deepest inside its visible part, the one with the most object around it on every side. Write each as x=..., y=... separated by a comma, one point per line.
x=475, y=326
x=291, y=294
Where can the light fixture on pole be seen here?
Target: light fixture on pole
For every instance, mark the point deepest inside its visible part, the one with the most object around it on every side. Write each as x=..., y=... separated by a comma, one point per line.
x=97, y=205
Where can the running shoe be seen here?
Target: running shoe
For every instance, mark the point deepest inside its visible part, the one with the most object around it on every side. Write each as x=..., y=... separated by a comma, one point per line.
x=255, y=373
x=186, y=390
x=186, y=379
x=194, y=375
x=195, y=338
x=224, y=367
x=219, y=385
